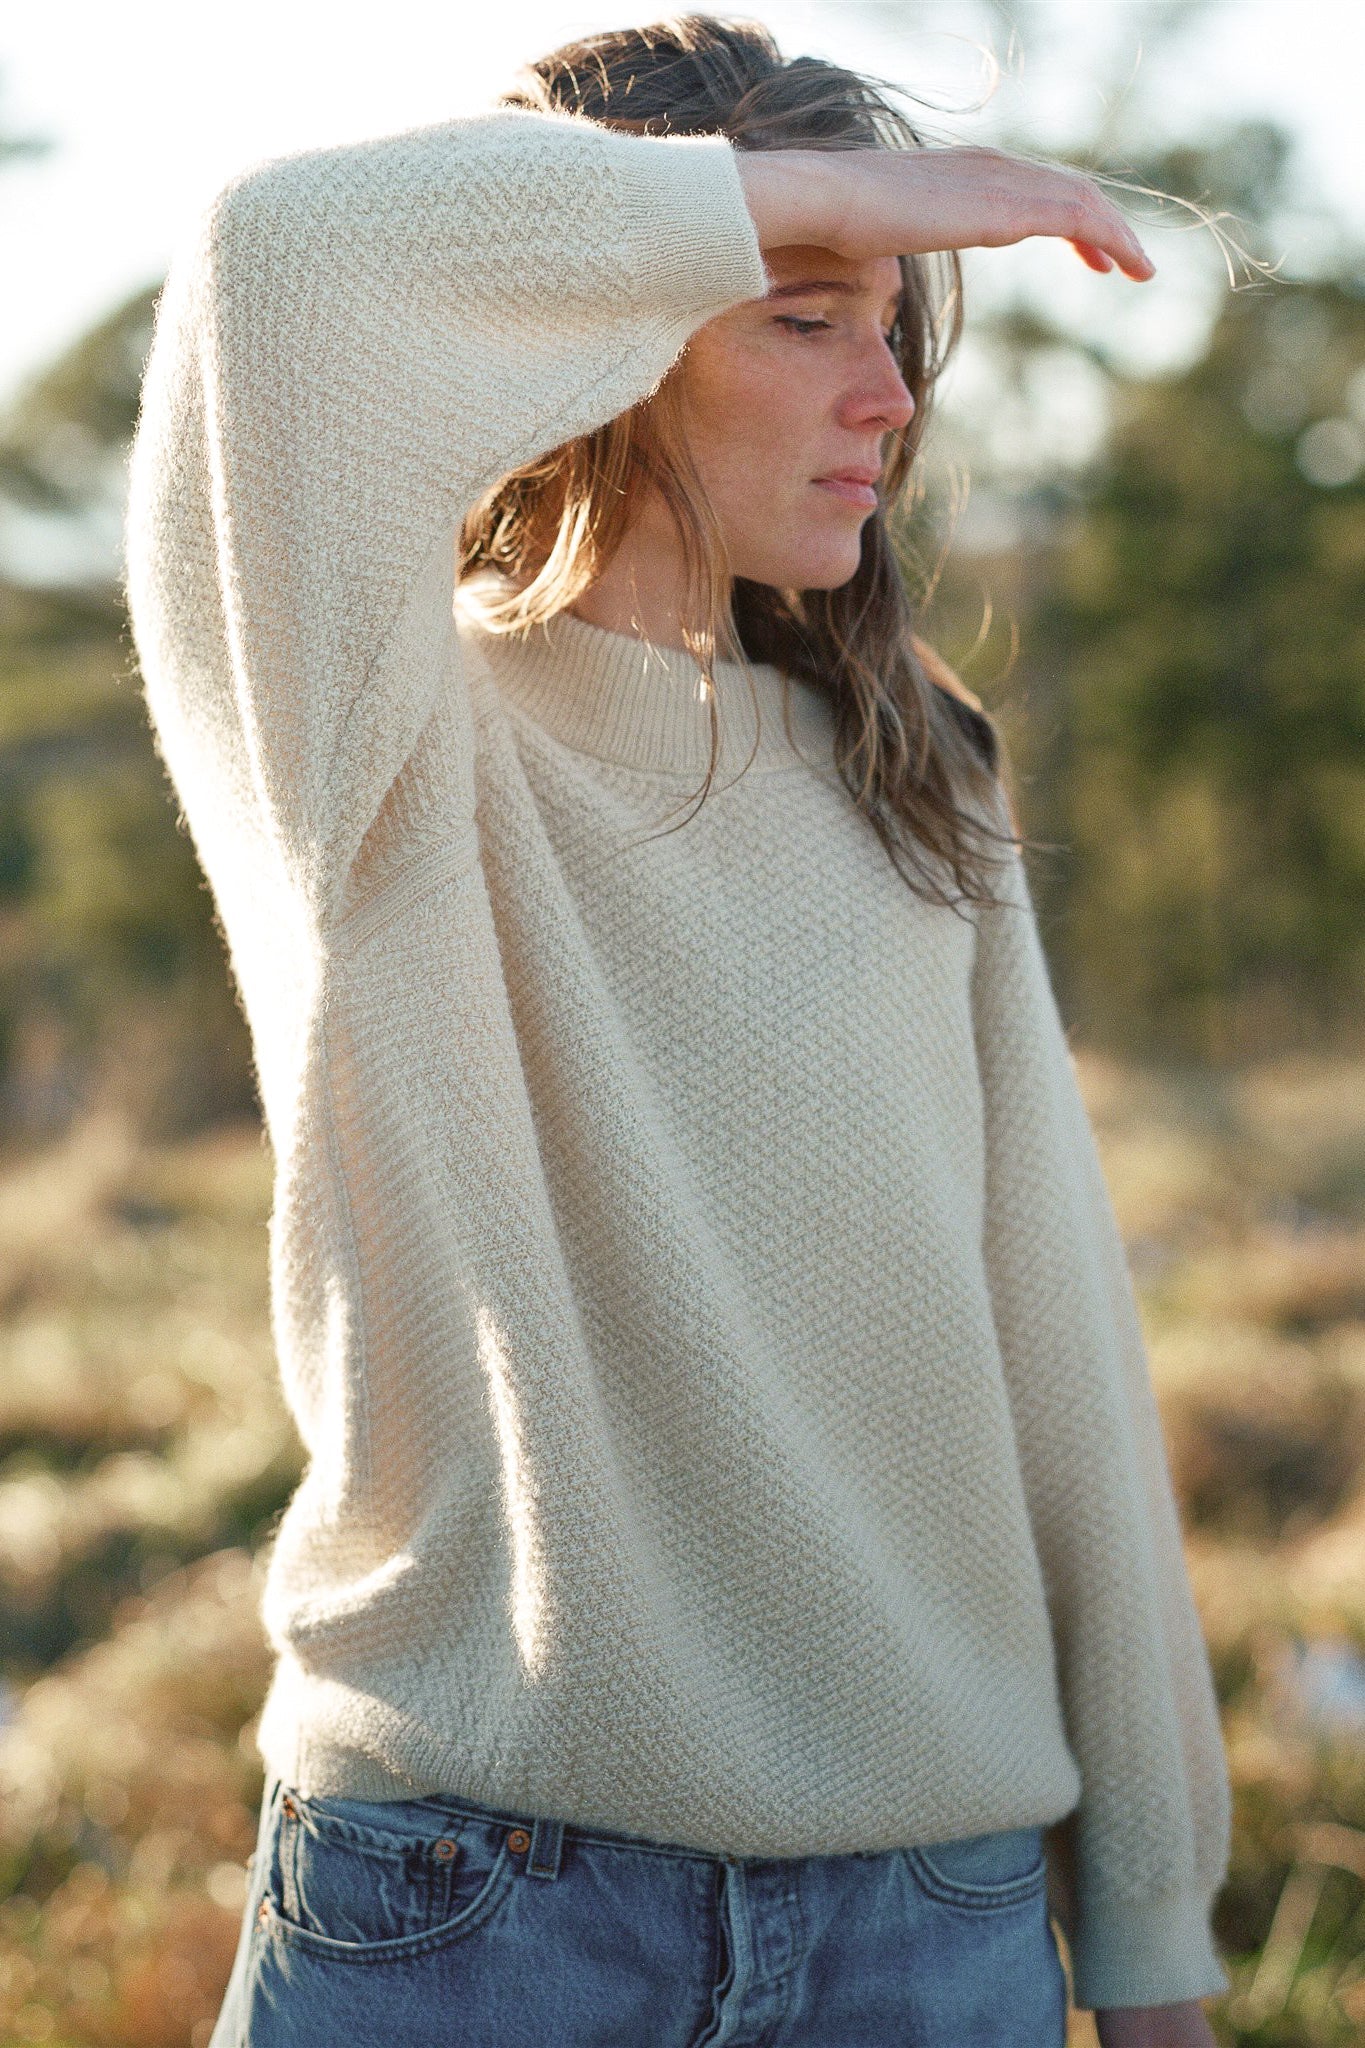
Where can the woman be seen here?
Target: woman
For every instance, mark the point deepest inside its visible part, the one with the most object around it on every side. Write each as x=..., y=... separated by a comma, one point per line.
x=735, y=1590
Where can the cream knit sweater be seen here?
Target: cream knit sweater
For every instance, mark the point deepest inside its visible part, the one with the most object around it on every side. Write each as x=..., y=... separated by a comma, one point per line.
x=692, y=1275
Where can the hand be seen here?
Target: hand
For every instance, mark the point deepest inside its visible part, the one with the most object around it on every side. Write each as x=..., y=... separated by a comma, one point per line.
x=891, y=202
x=1155, y=2026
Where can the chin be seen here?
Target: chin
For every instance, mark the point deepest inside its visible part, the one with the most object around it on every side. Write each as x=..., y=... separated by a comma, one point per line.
x=829, y=579
x=819, y=568
x=790, y=553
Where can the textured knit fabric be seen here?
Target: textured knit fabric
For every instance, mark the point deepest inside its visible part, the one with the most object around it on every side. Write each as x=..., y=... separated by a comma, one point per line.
x=692, y=1275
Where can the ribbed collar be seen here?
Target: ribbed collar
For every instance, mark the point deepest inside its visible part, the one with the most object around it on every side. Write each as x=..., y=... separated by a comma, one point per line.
x=623, y=699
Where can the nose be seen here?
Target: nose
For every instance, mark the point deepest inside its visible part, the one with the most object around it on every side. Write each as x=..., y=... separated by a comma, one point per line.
x=880, y=395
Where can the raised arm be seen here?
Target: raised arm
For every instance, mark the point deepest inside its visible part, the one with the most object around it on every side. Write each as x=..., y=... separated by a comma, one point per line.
x=1150, y=1837
x=356, y=342
x=352, y=346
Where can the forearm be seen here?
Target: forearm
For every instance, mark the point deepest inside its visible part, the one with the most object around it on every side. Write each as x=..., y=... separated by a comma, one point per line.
x=792, y=195
x=1151, y=1830
x=865, y=203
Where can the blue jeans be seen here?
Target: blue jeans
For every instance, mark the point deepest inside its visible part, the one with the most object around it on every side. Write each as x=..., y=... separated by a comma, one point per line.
x=379, y=1924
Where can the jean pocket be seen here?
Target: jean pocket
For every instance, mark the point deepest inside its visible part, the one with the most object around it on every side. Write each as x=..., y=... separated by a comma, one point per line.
x=361, y=1879
x=1002, y=1868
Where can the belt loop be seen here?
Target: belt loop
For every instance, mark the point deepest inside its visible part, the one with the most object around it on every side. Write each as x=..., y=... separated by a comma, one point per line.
x=547, y=1839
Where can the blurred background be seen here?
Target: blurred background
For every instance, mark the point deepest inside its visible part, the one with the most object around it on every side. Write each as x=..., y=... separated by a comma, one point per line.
x=1141, y=542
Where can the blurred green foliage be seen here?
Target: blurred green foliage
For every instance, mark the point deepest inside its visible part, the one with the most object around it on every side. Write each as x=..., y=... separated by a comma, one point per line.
x=1201, y=617
x=112, y=971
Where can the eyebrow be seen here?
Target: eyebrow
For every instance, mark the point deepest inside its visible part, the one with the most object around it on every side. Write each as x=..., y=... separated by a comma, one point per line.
x=811, y=284
x=801, y=287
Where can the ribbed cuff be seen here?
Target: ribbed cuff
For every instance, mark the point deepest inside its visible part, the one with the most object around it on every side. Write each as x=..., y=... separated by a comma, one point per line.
x=691, y=237
x=1152, y=1952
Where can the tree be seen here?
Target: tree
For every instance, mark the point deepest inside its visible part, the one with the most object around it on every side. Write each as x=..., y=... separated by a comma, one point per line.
x=112, y=970
x=1203, y=605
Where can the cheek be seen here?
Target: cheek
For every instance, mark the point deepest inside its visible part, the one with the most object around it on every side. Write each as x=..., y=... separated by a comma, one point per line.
x=758, y=429
x=754, y=429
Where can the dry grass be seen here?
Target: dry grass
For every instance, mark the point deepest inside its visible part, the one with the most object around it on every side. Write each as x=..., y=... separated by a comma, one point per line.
x=145, y=1452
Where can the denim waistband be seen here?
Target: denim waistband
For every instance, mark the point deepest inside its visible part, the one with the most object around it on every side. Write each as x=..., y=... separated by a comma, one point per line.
x=457, y=1806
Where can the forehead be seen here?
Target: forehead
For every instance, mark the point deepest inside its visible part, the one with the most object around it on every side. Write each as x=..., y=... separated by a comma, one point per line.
x=802, y=268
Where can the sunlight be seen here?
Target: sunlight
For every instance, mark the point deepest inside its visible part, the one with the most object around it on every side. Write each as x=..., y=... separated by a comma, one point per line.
x=528, y=1613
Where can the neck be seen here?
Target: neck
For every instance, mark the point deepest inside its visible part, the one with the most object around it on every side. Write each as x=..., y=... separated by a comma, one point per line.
x=641, y=592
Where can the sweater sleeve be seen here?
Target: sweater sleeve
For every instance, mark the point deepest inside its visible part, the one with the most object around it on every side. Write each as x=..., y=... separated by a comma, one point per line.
x=351, y=346
x=1134, y=1871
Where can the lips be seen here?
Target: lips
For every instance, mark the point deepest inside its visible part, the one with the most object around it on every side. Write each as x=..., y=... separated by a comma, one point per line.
x=854, y=486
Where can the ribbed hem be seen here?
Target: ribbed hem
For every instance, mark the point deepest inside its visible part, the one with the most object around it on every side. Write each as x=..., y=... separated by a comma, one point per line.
x=324, y=1740
x=625, y=700
x=1149, y=1952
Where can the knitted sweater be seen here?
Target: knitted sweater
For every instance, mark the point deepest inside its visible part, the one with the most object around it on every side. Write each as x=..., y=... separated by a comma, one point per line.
x=693, y=1281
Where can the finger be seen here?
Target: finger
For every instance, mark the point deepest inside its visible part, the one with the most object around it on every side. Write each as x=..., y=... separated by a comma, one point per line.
x=1105, y=229
x=1119, y=247
x=1134, y=260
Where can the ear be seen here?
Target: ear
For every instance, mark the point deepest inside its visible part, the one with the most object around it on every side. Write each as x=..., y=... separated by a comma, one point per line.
x=939, y=672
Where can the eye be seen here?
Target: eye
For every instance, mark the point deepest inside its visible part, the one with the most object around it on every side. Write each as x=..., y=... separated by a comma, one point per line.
x=798, y=325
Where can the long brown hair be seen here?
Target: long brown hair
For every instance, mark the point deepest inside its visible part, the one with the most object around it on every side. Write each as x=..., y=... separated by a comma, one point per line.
x=919, y=755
